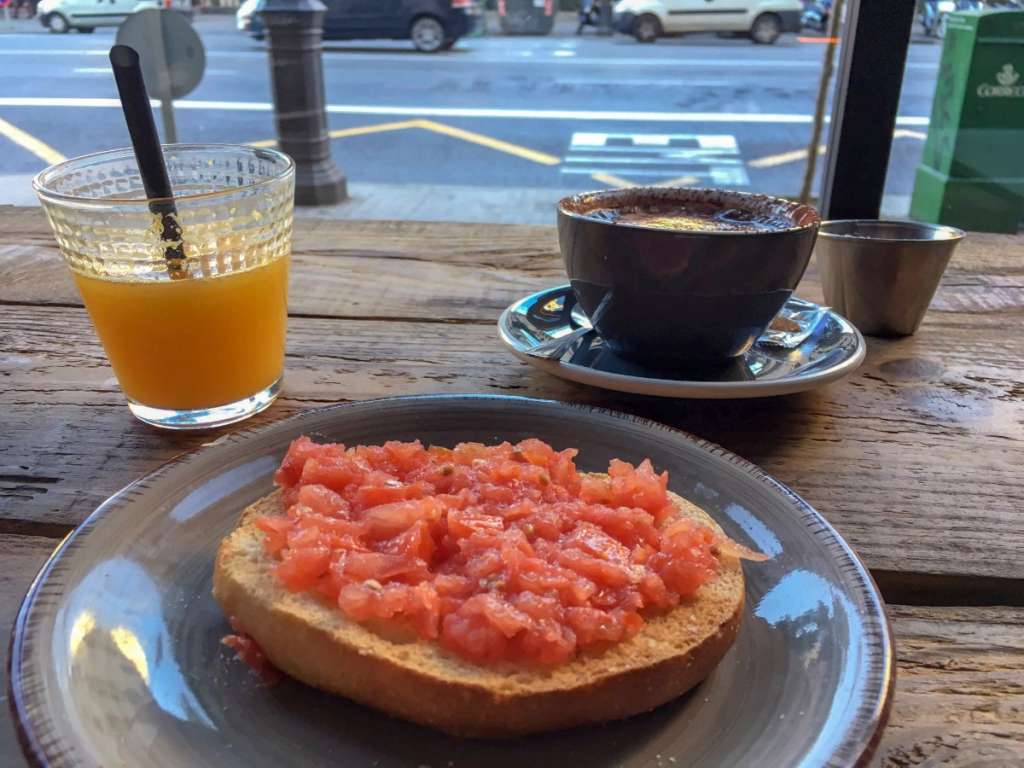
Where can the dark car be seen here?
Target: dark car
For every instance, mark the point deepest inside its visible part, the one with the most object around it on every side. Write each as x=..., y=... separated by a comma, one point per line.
x=432, y=25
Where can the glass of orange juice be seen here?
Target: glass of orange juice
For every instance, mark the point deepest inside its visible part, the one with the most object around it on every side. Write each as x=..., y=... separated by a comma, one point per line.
x=195, y=342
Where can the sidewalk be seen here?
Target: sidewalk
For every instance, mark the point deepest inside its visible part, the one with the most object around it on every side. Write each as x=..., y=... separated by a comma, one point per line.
x=409, y=202
x=426, y=202
x=20, y=25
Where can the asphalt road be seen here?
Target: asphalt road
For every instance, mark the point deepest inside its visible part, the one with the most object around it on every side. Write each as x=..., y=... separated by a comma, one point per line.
x=552, y=113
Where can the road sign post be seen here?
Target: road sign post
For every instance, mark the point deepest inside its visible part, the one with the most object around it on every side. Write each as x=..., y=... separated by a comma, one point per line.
x=167, y=115
x=295, y=28
x=171, y=55
x=972, y=170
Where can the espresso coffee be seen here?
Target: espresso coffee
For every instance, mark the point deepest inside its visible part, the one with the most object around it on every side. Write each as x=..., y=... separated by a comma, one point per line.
x=693, y=217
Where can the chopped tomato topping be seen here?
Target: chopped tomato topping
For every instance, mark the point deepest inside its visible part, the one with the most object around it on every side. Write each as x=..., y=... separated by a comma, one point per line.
x=249, y=651
x=497, y=552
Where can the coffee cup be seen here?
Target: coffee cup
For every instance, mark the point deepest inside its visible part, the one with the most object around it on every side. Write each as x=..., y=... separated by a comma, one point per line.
x=678, y=276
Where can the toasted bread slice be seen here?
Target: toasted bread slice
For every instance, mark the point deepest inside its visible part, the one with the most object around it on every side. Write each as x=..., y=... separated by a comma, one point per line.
x=420, y=681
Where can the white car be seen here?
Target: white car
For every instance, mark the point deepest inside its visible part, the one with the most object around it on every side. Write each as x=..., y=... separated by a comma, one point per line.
x=763, y=20
x=85, y=15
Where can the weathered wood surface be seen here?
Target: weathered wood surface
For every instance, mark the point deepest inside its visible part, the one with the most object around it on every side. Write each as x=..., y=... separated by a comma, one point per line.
x=916, y=458
x=959, y=689
x=418, y=270
x=343, y=269
x=20, y=558
x=960, y=686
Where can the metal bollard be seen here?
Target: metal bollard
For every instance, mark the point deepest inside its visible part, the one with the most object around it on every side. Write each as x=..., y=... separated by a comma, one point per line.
x=295, y=28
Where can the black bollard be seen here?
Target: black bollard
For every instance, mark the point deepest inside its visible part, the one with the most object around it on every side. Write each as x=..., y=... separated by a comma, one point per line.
x=295, y=28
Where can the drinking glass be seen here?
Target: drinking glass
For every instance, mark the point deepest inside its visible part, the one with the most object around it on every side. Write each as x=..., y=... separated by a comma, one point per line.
x=195, y=342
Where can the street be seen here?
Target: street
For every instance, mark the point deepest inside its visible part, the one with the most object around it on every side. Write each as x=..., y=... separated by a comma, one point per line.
x=533, y=116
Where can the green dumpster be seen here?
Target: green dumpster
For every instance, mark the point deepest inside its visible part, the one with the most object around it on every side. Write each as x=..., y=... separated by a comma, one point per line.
x=972, y=172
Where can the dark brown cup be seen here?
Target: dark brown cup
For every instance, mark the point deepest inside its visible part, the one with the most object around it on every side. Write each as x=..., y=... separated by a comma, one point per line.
x=669, y=297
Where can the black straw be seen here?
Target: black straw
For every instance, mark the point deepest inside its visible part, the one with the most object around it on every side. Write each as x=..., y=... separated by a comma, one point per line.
x=146, y=143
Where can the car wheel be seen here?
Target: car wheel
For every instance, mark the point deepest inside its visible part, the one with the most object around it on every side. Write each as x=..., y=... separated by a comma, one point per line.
x=647, y=28
x=766, y=29
x=57, y=24
x=427, y=34
x=86, y=30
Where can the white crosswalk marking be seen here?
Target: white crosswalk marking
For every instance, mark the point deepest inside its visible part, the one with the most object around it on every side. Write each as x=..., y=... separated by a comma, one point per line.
x=710, y=158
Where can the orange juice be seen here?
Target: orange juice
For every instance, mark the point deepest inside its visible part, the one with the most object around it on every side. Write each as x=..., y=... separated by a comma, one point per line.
x=194, y=343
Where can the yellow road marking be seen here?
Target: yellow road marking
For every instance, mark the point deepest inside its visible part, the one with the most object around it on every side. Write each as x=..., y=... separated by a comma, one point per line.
x=782, y=158
x=612, y=180
x=40, y=149
x=800, y=154
x=447, y=130
x=486, y=141
x=360, y=130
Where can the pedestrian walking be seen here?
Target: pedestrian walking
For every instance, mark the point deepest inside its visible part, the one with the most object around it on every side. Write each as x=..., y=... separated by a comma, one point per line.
x=589, y=13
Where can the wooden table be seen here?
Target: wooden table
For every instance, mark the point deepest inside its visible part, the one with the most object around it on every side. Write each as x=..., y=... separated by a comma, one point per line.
x=918, y=458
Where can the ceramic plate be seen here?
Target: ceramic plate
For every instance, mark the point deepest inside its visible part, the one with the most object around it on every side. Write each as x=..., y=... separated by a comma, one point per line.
x=116, y=659
x=832, y=350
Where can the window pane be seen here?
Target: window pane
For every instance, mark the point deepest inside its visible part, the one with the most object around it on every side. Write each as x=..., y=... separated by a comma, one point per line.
x=465, y=112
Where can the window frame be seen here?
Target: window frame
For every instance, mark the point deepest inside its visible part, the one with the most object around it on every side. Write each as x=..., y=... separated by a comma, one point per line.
x=873, y=57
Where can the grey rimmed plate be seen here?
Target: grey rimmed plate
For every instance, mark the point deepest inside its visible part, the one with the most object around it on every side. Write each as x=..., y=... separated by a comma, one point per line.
x=116, y=660
x=831, y=349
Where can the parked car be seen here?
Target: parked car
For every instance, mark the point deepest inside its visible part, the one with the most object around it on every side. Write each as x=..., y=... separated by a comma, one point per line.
x=432, y=25
x=85, y=15
x=762, y=20
x=526, y=17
